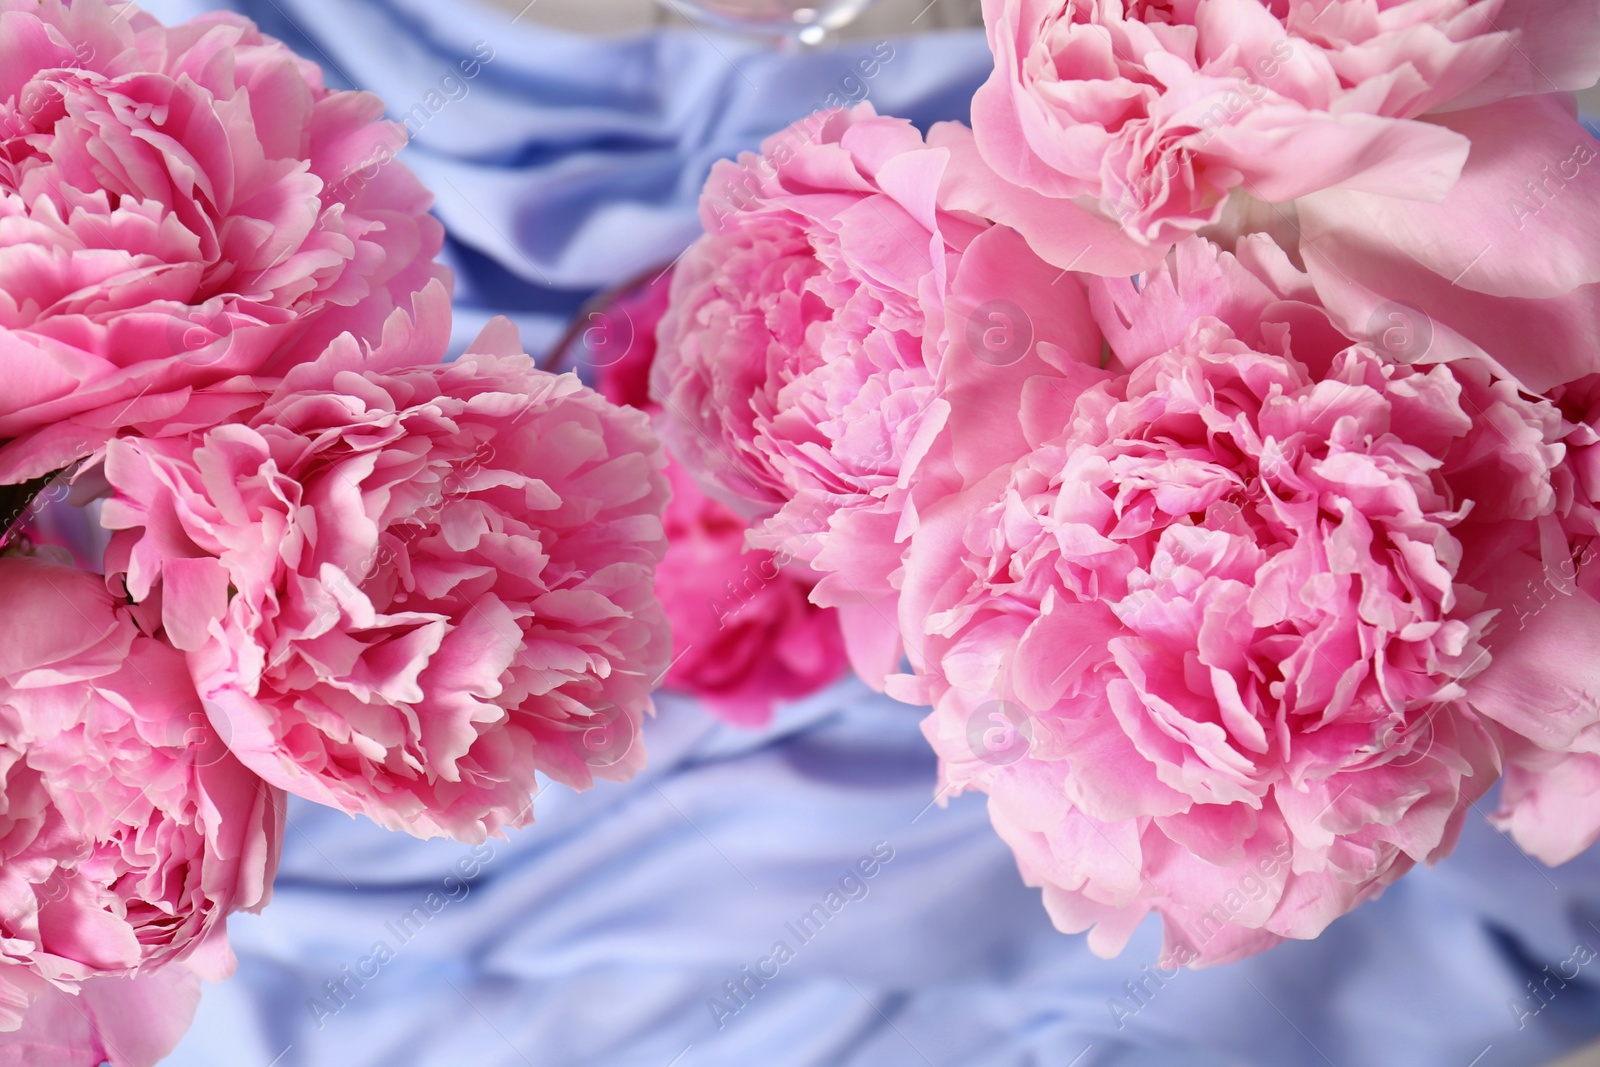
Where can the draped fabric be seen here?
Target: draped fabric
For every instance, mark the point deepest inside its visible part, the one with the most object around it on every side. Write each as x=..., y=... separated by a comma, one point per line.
x=717, y=910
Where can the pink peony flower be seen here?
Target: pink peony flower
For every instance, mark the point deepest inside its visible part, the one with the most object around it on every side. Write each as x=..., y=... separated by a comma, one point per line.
x=405, y=587
x=126, y=1022
x=129, y=832
x=1209, y=646
x=179, y=206
x=837, y=344
x=1115, y=128
x=1544, y=685
x=744, y=633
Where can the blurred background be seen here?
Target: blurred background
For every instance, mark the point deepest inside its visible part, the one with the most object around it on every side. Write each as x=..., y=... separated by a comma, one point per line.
x=881, y=18
x=612, y=17
x=624, y=928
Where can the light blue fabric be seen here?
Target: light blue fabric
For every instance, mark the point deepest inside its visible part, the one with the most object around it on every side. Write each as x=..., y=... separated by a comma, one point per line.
x=604, y=934
x=600, y=935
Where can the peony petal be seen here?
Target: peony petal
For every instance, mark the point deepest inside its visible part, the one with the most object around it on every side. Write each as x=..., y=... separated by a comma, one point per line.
x=1519, y=223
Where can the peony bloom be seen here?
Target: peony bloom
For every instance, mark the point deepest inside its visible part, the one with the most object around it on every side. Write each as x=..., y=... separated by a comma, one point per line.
x=1209, y=646
x=744, y=633
x=837, y=343
x=407, y=587
x=124, y=1022
x=179, y=206
x=1115, y=127
x=129, y=833
x=1544, y=685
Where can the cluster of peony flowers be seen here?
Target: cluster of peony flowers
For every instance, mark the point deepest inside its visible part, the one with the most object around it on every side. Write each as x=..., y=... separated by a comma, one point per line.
x=303, y=554
x=1212, y=428
x=1209, y=437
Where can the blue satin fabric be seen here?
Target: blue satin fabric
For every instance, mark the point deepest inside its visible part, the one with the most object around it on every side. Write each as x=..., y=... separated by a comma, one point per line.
x=639, y=925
